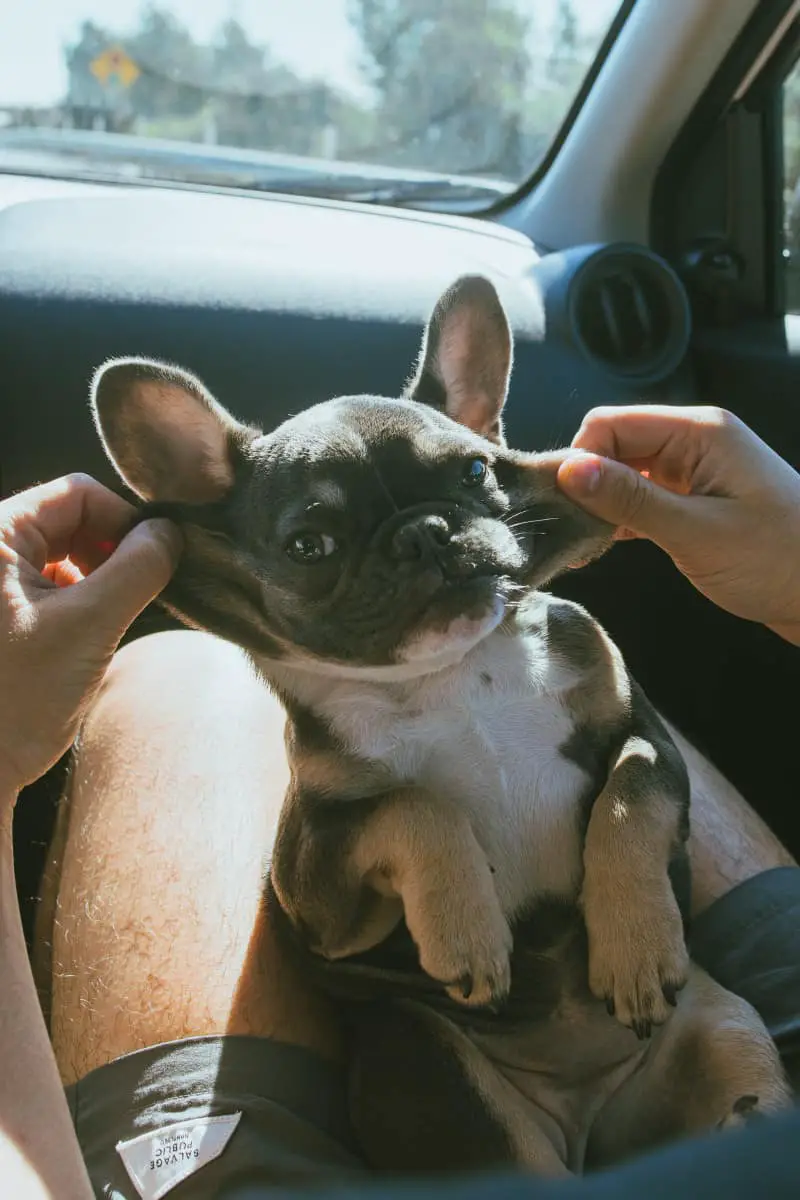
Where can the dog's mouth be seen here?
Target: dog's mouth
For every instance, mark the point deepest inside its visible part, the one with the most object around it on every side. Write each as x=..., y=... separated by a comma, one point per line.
x=458, y=616
x=465, y=592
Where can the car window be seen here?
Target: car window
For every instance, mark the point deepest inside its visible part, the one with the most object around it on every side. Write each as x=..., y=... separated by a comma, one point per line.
x=375, y=99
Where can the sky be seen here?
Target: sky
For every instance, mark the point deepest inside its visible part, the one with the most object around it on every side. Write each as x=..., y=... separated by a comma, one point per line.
x=312, y=36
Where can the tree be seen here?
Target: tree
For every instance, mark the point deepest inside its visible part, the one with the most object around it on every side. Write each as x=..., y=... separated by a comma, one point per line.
x=565, y=59
x=231, y=90
x=174, y=68
x=450, y=81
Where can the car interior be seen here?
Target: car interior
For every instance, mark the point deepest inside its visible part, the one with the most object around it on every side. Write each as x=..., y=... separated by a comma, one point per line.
x=645, y=260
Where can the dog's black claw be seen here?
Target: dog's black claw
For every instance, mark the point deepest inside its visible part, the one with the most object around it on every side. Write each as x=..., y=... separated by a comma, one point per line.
x=642, y=1029
x=670, y=991
x=611, y=1007
x=465, y=986
x=745, y=1109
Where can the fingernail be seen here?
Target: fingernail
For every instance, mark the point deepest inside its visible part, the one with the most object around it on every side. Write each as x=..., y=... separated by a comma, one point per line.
x=581, y=474
x=168, y=532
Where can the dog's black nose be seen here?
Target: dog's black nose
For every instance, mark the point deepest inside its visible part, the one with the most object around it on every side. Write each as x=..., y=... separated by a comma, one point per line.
x=419, y=538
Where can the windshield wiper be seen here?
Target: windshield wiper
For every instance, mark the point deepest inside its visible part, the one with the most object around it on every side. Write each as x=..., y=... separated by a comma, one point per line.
x=395, y=192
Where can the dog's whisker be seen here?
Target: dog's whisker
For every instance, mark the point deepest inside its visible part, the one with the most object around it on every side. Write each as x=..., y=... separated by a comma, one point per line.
x=529, y=521
x=518, y=525
x=517, y=512
x=510, y=519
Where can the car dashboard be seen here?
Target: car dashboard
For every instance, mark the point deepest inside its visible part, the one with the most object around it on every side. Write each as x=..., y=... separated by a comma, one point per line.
x=280, y=302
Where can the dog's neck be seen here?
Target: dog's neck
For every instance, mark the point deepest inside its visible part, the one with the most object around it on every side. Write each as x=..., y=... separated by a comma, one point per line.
x=311, y=683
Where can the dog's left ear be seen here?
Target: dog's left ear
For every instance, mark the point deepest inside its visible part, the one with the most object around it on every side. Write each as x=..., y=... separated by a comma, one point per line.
x=465, y=361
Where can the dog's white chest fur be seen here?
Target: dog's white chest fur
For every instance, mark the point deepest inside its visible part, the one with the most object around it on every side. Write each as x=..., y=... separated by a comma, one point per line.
x=484, y=733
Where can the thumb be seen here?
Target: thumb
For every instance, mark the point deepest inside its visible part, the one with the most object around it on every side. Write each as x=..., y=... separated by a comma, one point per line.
x=141, y=566
x=622, y=497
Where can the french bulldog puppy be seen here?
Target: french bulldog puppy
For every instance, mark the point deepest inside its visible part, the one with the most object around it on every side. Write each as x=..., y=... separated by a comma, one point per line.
x=483, y=846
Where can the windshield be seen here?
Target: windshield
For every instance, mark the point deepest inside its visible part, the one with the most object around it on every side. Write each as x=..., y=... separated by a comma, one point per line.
x=382, y=100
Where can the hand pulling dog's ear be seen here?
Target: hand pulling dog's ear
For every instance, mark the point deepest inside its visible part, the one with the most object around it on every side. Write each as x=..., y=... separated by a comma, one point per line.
x=170, y=440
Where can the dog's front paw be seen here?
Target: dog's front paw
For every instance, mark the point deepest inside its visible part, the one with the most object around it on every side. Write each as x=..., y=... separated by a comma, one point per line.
x=638, y=961
x=470, y=953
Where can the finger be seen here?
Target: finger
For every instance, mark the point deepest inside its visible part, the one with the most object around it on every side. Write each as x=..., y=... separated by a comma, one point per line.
x=89, y=556
x=118, y=590
x=668, y=442
x=68, y=517
x=617, y=494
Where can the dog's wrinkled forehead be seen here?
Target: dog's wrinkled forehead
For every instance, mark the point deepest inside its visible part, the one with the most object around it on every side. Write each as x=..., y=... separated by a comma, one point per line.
x=335, y=452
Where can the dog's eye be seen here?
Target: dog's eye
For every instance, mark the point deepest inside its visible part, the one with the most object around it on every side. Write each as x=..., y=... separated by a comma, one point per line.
x=309, y=548
x=475, y=472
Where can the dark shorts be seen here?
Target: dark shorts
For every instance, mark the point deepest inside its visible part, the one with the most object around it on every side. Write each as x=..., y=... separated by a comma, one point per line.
x=151, y=1109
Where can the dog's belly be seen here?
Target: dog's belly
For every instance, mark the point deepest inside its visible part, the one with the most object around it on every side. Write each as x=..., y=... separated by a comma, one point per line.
x=502, y=764
x=567, y=1067
x=578, y=1045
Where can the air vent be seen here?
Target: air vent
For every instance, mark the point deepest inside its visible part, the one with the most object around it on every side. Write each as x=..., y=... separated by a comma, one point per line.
x=630, y=314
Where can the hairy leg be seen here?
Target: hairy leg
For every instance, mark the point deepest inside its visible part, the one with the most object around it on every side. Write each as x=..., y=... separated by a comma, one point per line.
x=159, y=931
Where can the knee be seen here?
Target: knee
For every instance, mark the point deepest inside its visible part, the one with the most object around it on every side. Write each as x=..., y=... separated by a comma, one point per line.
x=178, y=655
x=185, y=667
x=187, y=688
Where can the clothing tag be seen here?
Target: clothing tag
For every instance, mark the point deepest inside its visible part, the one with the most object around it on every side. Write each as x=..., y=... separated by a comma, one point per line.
x=156, y=1162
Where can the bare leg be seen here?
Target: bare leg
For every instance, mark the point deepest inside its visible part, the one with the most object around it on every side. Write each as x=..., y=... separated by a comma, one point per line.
x=159, y=932
x=729, y=842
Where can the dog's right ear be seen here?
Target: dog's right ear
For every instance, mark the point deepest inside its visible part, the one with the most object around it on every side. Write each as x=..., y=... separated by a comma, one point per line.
x=164, y=432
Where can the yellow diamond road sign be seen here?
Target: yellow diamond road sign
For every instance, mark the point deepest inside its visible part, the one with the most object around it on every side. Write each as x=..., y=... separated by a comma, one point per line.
x=114, y=63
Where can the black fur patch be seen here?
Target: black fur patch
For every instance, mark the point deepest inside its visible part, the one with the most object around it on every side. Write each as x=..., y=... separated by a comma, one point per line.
x=572, y=635
x=309, y=733
x=413, y=1106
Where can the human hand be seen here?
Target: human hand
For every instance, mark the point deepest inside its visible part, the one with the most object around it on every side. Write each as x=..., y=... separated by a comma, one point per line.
x=66, y=598
x=716, y=498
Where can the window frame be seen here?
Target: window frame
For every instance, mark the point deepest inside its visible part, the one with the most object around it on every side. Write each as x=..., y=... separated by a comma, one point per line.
x=732, y=144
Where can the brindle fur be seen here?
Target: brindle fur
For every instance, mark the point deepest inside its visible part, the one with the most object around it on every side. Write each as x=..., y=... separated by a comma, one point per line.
x=479, y=1014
